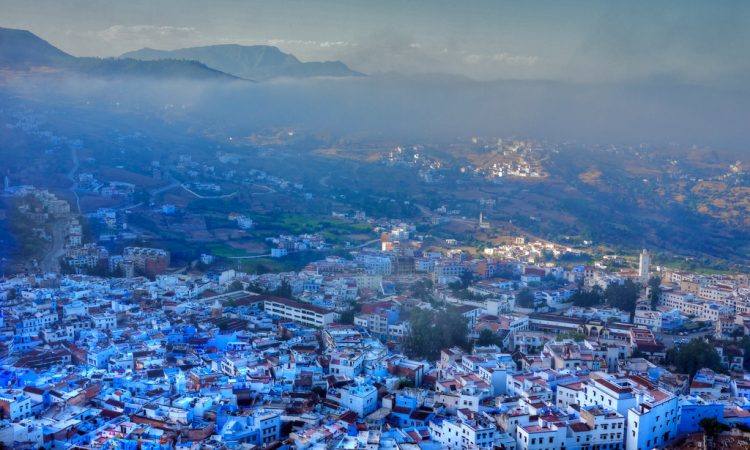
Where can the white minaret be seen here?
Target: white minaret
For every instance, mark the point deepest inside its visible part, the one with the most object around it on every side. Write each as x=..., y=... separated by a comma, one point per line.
x=644, y=265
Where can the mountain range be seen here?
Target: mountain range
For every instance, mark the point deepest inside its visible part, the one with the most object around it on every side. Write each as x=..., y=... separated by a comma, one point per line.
x=252, y=62
x=21, y=50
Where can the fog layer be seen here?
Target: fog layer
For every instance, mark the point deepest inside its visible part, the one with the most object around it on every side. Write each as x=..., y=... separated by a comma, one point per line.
x=657, y=111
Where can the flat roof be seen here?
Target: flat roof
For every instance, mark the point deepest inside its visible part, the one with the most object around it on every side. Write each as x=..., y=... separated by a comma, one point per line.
x=296, y=304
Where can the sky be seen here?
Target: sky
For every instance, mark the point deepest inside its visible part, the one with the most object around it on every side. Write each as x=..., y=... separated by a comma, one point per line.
x=595, y=41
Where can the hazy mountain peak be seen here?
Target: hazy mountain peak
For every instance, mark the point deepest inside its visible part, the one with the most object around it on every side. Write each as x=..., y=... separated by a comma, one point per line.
x=249, y=61
x=22, y=50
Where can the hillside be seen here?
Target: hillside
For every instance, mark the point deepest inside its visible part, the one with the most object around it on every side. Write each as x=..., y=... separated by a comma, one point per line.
x=117, y=67
x=21, y=50
x=255, y=62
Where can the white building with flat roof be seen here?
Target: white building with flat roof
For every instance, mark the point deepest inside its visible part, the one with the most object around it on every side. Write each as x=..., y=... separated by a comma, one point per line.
x=652, y=414
x=362, y=399
x=15, y=404
x=474, y=431
x=304, y=313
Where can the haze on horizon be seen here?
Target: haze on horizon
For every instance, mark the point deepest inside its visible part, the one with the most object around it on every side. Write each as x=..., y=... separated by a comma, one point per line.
x=625, y=110
x=598, y=72
x=580, y=41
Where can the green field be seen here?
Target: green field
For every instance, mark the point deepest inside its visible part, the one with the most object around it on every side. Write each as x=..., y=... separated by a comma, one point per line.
x=224, y=250
x=334, y=231
x=293, y=262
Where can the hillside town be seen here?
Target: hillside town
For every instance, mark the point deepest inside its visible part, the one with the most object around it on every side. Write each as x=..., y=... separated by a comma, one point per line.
x=404, y=341
x=392, y=347
x=374, y=225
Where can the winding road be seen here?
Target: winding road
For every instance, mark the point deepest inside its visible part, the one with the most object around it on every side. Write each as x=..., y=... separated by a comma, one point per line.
x=208, y=196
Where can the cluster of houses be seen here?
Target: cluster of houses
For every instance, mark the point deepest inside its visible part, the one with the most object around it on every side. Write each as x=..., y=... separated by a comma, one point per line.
x=285, y=243
x=319, y=358
x=38, y=206
x=91, y=257
x=87, y=183
x=207, y=177
x=113, y=363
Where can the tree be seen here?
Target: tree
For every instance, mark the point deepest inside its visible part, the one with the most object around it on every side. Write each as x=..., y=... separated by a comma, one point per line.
x=693, y=356
x=285, y=290
x=736, y=334
x=422, y=290
x=319, y=391
x=745, y=343
x=405, y=383
x=347, y=317
x=235, y=286
x=255, y=287
x=622, y=296
x=466, y=294
x=433, y=330
x=466, y=278
x=525, y=299
x=487, y=337
x=574, y=335
x=654, y=291
x=550, y=281
x=588, y=299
